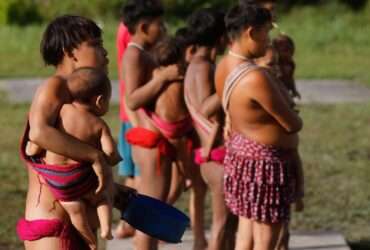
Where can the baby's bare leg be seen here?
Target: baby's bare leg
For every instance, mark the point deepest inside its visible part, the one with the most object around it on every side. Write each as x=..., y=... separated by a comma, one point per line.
x=77, y=213
x=104, y=209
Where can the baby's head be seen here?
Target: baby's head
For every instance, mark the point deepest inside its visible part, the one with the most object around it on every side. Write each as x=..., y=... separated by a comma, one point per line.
x=170, y=51
x=284, y=46
x=270, y=60
x=91, y=87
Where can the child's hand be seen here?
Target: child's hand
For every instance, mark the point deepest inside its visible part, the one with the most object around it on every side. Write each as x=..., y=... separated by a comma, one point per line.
x=299, y=205
x=32, y=149
x=171, y=73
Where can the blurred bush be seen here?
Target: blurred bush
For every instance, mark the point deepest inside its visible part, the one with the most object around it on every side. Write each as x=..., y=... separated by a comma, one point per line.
x=24, y=12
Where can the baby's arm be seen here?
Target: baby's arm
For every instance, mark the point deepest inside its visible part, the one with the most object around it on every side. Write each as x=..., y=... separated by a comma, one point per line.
x=43, y=116
x=108, y=146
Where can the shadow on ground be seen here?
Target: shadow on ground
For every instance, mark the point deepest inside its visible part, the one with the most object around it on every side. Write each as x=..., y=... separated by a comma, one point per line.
x=360, y=245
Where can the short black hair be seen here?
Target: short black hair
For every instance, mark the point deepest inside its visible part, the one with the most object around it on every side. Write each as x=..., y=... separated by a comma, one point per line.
x=256, y=1
x=86, y=82
x=284, y=40
x=184, y=37
x=242, y=16
x=170, y=51
x=207, y=26
x=135, y=11
x=64, y=34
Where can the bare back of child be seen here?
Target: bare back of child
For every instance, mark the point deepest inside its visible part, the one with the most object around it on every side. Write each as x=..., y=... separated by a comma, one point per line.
x=90, y=90
x=207, y=28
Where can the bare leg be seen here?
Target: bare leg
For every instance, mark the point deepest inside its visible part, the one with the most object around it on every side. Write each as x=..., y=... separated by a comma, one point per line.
x=177, y=182
x=283, y=241
x=196, y=208
x=51, y=243
x=265, y=235
x=244, y=237
x=104, y=209
x=212, y=173
x=152, y=184
x=123, y=229
x=79, y=219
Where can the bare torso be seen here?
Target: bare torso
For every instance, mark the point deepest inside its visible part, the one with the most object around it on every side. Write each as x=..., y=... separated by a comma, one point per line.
x=80, y=124
x=247, y=116
x=200, y=90
x=170, y=104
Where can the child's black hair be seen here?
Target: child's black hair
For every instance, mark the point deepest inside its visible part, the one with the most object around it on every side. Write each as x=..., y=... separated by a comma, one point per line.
x=242, y=16
x=87, y=82
x=170, y=51
x=184, y=37
x=135, y=11
x=64, y=34
x=207, y=26
x=248, y=2
x=284, y=40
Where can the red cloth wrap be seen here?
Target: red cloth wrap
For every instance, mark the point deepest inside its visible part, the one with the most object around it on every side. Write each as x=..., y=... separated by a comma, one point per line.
x=148, y=139
x=37, y=229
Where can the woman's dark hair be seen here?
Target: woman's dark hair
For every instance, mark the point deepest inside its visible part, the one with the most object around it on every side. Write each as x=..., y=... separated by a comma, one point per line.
x=207, y=26
x=135, y=11
x=256, y=1
x=170, y=51
x=64, y=34
x=242, y=16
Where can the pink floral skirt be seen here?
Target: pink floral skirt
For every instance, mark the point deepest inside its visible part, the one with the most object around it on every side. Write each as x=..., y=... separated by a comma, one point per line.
x=259, y=181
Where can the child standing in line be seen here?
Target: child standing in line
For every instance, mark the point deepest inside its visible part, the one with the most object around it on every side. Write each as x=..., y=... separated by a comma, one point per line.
x=143, y=18
x=207, y=30
x=126, y=168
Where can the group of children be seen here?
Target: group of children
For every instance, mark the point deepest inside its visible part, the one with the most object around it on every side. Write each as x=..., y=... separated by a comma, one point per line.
x=183, y=125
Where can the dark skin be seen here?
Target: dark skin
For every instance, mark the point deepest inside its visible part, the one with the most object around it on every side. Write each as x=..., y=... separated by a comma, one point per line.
x=44, y=111
x=202, y=94
x=259, y=111
x=143, y=86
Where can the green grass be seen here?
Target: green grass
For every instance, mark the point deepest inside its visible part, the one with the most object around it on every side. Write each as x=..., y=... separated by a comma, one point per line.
x=335, y=147
x=331, y=41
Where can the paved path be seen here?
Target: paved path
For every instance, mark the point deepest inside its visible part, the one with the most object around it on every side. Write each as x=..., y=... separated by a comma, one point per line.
x=313, y=91
x=299, y=241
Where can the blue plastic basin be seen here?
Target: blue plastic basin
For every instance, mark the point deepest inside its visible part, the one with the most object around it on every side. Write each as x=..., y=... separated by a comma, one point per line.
x=156, y=218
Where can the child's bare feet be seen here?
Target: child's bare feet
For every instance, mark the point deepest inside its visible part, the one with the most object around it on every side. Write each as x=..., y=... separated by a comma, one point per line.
x=124, y=230
x=93, y=247
x=106, y=234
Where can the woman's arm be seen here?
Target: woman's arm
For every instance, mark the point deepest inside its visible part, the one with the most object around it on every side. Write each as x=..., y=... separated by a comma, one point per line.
x=43, y=116
x=269, y=96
